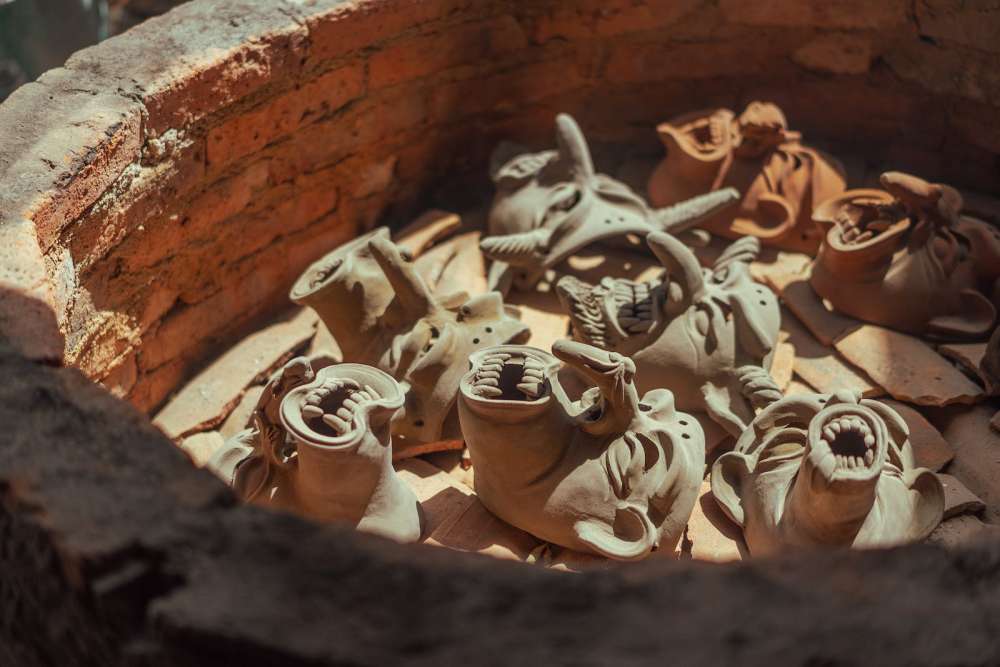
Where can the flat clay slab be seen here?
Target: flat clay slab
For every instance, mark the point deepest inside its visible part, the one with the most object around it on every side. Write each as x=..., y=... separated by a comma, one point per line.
x=968, y=356
x=201, y=446
x=211, y=395
x=958, y=499
x=909, y=369
x=783, y=364
x=820, y=367
x=825, y=324
x=426, y=230
x=977, y=453
x=930, y=449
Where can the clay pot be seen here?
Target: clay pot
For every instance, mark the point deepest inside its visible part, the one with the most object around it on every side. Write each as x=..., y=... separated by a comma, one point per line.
x=382, y=313
x=552, y=204
x=826, y=471
x=780, y=179
x=707, y=335
x=906, y=259
x=610, y=474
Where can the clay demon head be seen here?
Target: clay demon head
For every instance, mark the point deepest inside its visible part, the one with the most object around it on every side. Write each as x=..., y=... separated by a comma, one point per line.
x=382, y=314
x=824, y=471
x=707, y=335
x=552, y=204
x=611, y=473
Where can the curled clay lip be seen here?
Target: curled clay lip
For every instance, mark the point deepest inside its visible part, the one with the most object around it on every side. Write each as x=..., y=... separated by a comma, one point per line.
x=333, y=410
x=315, y=278
x=847, y=442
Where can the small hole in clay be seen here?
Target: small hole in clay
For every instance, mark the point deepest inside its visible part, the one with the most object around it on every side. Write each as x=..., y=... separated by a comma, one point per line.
x=419, y=423
x=685, y=436
x=762, y=302
x=489, y=329
x=475, y=341
x=607, y=221
x=683, y=422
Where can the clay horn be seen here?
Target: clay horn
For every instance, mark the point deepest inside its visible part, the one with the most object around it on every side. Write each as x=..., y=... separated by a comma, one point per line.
x=518, y=249
x=691, y=212
x=680, y=262
x=573, y=146
x=411, y=290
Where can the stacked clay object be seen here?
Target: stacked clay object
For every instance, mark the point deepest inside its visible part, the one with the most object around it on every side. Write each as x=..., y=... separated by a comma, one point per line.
x=780, y=179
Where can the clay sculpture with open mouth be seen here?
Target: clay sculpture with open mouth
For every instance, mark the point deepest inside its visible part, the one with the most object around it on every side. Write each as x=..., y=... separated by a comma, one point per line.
x=324, y=450
x=707, y=335
x=906, y=258
x=780, y=178
x=381, y=313
x=610, y=474
x=818, y=470
x=552, y=204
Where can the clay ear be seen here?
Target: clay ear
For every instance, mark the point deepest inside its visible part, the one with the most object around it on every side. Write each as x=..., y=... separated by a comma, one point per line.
x=928, y=499
x=638, y=534
x=728, y=473
x=976, y=319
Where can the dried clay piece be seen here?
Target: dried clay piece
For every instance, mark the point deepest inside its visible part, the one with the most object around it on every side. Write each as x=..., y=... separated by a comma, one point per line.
x=320, y=445
x=827, y=470
x=552, y=204
x=780, y=178
x=906, y=259
x=707, y=335
x=610, y=474
x=381, y=313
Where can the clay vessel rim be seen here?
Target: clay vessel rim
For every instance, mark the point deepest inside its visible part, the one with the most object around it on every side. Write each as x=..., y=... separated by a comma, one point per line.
x=821, y=451
x=302, y=290
x=291, y=406
x=671, y=130
x=549, y=363
x=826, y=211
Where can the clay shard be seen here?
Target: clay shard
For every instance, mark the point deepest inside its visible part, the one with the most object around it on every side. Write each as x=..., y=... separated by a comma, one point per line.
x=320, y=445
x=707, y=335
x=905, y=258
x=781, y=178
x=552, y=204
x=382, y=313
x=610, y=474
x=827, y=470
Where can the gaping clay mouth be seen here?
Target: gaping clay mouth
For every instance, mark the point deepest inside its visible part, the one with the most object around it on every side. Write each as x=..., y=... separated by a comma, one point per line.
x=622, y=306
x=508, y=376
x=847, y=445
x=331, y=408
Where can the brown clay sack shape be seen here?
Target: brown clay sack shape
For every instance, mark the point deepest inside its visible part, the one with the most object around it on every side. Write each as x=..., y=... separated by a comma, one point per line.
x=552, y=204
x=328, y=456
x=610, y=474
x=755, y=153
x=707, y=335
x=905, y=258
x=381, y=313
x=826, y=470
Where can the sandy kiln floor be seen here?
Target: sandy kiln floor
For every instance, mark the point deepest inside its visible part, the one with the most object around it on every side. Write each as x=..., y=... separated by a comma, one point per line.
x=818, y=351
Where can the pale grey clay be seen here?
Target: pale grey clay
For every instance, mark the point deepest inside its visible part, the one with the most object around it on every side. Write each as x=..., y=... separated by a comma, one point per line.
x=707, y=335
x=552, y=204
x=611, y=473
x=817, y=470
x=320, y=445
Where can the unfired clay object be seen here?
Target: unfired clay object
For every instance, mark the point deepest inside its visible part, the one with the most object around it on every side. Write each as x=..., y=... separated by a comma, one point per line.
x=707, y=335
x=827, y=470
x=381, y=312
x=780, y=178
x=320, y=445
x=552, y=204
x=905, y=258
x=610, y=474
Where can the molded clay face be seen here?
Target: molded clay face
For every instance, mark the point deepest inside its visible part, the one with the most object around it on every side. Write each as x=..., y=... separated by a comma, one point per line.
x=549, y=205
x=708, y=335
x=382, y=313
x=328, y=453
x=781, y=180
x=906, y=259
x=609, y=474
x=827, y=471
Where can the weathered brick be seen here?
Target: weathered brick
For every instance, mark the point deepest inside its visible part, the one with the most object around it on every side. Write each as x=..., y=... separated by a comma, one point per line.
x=973, y=23
x=828, y=14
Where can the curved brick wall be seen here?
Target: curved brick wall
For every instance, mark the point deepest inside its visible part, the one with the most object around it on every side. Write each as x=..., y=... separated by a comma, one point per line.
x=161, y=191
x=178, y=177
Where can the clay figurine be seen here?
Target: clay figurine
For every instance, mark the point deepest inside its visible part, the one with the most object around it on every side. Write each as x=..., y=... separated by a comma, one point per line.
x=780, y=178
x=707, y=335
x=905, y=258
x=826, y=470
x=382, y=314
x=327, y=455
x=552, y=204
x=610, y=474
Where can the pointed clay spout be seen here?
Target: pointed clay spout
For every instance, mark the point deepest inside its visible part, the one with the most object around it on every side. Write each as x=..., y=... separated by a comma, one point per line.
x=572, y=145
x=835, y=488
x=411, y=291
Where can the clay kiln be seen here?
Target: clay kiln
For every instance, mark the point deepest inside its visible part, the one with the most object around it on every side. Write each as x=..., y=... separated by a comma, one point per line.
x=164, y=189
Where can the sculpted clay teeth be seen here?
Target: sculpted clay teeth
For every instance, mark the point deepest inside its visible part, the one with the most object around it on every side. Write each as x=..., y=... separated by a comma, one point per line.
x=341, y=417
x=845, y=427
